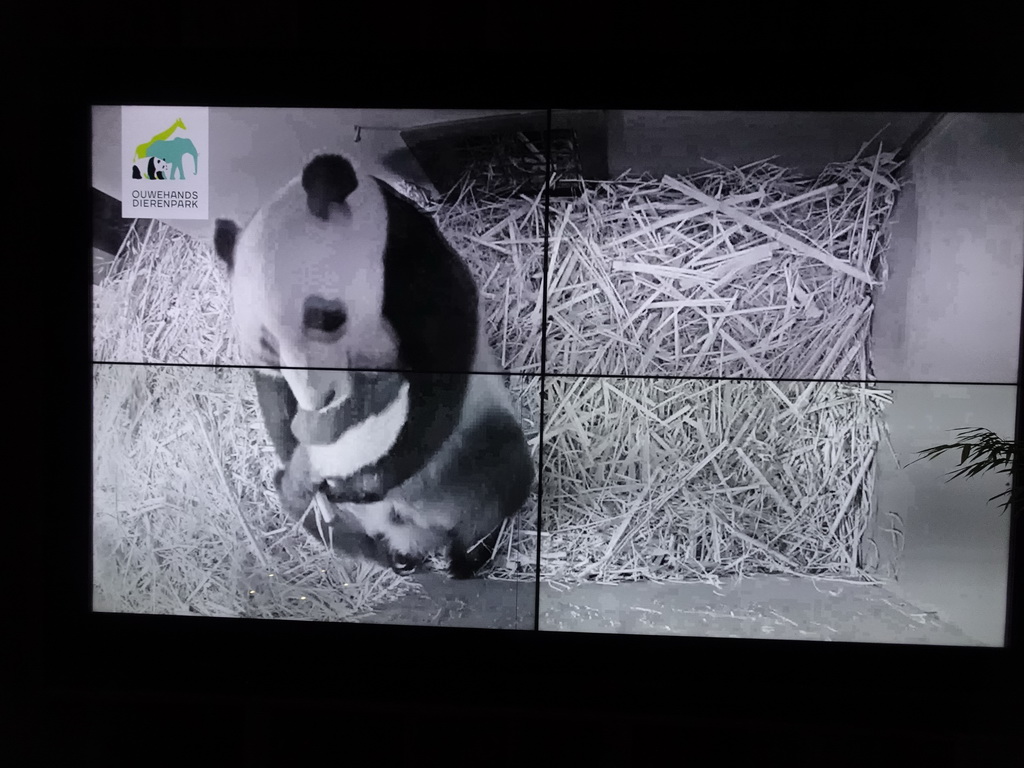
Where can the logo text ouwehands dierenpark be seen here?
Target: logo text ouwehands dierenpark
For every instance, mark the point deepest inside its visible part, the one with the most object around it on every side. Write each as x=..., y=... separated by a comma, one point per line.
x=165, y=167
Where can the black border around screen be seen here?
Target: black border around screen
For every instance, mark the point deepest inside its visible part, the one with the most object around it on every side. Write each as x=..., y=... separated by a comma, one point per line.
x=78, y=650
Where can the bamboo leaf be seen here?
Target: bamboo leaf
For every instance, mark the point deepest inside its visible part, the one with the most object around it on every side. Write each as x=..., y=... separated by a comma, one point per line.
x=981, y=450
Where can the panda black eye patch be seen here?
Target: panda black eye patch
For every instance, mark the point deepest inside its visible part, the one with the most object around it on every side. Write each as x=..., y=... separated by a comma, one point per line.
x=323, y=319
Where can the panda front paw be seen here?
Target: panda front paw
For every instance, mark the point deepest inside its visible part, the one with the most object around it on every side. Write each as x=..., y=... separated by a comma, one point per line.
x=294, y=497
x=465, y=563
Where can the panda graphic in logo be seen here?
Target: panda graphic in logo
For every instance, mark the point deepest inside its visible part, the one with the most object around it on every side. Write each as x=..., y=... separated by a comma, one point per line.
x=162, y=156
x=150, y=168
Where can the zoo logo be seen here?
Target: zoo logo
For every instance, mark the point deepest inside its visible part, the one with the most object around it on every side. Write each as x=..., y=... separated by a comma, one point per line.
x=161, y=157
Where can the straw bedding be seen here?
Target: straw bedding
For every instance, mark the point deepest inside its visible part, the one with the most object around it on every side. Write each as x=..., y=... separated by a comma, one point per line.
x=734, y=273
x=185, y=518
x=748, y=273
x=699, y=479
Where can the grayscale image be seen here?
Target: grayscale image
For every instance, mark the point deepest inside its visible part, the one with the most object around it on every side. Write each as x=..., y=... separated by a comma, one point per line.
x=187, y=519
x=761, y=276
x=479, y=176
x=341, y=247
x=710, y=347
x=779, y=245
x=794, y=510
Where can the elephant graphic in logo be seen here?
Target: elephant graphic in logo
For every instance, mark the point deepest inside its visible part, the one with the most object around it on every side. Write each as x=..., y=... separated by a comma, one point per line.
x=171, y=152
x=167, y=153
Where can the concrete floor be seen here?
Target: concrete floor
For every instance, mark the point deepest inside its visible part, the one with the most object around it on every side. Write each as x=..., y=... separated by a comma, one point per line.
x=477, y=603
x=761, y=607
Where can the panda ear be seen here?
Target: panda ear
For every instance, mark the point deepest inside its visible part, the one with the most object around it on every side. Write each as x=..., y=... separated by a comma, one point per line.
x=327, y=179
x=225, y=234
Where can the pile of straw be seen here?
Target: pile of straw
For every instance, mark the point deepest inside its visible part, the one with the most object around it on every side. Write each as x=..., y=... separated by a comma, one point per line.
x=748, y=273
x=502, y=242
x=667, y=479
x=185, y=521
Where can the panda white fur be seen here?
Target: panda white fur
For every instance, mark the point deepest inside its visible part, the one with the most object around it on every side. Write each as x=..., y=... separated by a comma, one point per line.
x=339, y=272
x=150, y=168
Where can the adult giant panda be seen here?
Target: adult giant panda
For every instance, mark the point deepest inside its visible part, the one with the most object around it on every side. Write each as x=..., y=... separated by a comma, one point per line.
x=337, y=281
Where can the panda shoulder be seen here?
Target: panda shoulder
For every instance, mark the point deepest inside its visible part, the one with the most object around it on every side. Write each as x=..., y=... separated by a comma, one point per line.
x=415, y=238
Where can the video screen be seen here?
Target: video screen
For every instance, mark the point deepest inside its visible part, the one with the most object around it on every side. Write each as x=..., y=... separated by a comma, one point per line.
x=720, y=374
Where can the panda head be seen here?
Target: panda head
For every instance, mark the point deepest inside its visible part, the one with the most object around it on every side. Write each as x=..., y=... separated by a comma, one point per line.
x=156, y=168
x=307, y=281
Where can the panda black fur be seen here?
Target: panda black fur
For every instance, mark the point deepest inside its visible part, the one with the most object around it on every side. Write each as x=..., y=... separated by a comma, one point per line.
x=340, y=271
x=155, y=169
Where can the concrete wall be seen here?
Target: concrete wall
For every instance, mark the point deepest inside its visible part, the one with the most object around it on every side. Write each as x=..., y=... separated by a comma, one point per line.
x=955, y=542
x=951, y=312
x=673, y=142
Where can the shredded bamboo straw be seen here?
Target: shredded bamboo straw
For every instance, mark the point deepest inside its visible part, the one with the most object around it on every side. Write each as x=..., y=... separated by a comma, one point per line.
x=739, y=273
x=667, y=479
x=747, y=272
x=185, y=519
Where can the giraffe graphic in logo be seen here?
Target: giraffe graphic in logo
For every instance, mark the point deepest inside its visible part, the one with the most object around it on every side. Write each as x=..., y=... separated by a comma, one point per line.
x=161, y=157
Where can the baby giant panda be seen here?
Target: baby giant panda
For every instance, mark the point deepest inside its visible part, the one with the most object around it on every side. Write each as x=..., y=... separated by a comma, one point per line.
x=345, y=293
x=155, y=168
